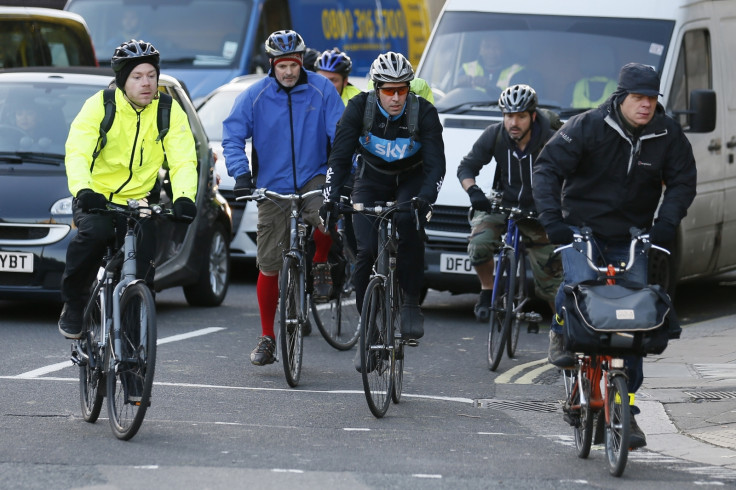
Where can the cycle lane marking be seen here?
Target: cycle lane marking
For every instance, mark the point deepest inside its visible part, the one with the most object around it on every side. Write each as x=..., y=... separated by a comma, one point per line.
x=35, y=373
x=507, y=376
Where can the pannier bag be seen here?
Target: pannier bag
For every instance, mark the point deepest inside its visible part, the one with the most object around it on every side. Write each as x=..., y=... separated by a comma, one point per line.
x=620, y=319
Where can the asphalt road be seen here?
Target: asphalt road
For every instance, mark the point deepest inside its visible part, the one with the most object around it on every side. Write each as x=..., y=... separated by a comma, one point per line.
x=219, y=422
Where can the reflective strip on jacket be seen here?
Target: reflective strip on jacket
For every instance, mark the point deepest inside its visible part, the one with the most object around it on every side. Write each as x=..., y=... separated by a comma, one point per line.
x=128, y=165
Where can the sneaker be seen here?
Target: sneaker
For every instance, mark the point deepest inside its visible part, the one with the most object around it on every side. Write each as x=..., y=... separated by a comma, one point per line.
x=322, y=286
x=264, y=352
x=483, y=306
x=307, y=328
x=70, y=321
x=412, y=322
x=557, y=355
x=637, y=438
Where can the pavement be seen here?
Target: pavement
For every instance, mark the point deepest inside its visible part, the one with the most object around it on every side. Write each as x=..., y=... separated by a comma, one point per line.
x=688, y=399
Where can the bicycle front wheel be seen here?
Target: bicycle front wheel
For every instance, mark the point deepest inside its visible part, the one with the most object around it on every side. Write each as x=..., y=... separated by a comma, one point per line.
x=502, y=308
x=584, y=428
x=91, y=371
x=375, y=349
x=337, y=320
x=130, y=380
x=398, y=356
x=618, y=426
x=290, y=330
x=519, y=295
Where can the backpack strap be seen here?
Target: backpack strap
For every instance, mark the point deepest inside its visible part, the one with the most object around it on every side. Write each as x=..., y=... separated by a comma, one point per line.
x=370, y=110
x=108, y=98
x=163, y=115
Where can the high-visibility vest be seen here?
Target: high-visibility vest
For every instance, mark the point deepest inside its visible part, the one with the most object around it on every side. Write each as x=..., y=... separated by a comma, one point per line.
x=474, y=69
x=583, y=99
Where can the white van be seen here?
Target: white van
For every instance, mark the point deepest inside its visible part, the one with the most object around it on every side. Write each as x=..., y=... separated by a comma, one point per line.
x=553, y=46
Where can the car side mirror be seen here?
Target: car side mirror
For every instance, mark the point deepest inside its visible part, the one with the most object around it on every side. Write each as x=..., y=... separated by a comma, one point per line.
x=702, y=114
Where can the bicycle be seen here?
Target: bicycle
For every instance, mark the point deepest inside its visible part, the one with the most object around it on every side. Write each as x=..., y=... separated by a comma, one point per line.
x=510, y=277
x=381, y=344
x=295, y=301
x=337, y=320
x=597, y=386
x=117, y=349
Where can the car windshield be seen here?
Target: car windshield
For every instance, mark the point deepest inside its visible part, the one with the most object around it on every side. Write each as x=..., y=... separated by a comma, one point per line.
x=179, y=33
x=214, y=110
x=572, y=62
x=35, y=117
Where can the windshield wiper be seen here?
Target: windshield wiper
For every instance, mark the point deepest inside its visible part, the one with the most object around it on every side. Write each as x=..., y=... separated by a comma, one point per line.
x=10, y=158
x=178, y=61
x=32, y=157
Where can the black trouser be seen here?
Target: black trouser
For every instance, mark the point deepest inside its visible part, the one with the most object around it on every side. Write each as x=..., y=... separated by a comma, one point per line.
x=372, y=186
x=85, y=252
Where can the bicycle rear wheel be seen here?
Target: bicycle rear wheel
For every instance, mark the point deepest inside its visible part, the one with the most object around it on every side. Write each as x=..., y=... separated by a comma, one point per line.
x=91, y=370
x=337, y=320
x=290, y=329
x=375, y=349
x=519, y=295
x=502, y=308
x=618, y=426
x=129, y=382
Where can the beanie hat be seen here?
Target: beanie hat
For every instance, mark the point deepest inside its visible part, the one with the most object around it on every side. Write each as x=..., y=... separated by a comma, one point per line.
x=637, y=78
x=122, y=76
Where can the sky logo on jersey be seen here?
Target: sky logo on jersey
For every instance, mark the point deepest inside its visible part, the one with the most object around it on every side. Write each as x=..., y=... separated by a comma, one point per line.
x=389, y=150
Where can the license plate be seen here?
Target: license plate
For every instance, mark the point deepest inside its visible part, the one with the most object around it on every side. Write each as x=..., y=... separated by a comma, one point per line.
x=456, y=264
x=16, y=262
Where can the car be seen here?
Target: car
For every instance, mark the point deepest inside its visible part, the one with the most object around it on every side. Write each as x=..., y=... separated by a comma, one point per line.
x=212, y=110
x=36, y=207
x=44, y=37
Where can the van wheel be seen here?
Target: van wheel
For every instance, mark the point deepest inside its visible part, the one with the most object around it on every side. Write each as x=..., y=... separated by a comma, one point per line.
x=214, y=278
x=662, y=270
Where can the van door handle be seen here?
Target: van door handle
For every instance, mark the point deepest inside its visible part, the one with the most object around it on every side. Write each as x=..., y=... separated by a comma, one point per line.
x=715, y=145
x=731, y=143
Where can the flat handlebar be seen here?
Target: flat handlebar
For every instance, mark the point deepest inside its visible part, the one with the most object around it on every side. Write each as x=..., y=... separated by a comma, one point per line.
x=260, y=194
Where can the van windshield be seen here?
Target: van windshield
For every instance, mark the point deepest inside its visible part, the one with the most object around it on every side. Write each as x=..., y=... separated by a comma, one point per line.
x=572, y=62
x=188, y=33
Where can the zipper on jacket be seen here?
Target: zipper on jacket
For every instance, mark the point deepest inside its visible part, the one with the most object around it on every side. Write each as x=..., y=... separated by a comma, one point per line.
x=291, y=129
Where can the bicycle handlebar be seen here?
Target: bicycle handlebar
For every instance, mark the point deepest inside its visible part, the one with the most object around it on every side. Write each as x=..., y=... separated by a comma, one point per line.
x=381, y=209
x=637, y=235
x=260, y=194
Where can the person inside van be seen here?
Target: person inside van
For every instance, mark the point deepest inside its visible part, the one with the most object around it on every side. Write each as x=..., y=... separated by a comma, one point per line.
x=515, y=143
x=613, y=163
x=490, y=71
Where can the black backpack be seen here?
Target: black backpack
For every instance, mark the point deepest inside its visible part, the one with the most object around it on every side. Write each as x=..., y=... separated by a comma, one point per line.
x=162, y=120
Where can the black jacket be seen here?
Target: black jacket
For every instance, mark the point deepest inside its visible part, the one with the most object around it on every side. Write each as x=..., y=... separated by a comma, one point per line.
x=430, y=152
x=513, y=175
x=593, y=173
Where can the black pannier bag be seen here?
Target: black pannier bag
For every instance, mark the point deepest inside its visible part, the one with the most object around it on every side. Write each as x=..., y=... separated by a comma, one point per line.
x=620, y=319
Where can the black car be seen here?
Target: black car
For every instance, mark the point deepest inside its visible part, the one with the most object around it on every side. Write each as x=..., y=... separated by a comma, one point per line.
x=35, y=204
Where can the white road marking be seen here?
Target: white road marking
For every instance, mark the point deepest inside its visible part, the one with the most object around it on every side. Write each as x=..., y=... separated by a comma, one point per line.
x=62, y=365
x=424, y=475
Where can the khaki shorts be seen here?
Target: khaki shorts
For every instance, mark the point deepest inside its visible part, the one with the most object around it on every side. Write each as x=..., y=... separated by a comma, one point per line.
x=273, y=225
x=485, y=241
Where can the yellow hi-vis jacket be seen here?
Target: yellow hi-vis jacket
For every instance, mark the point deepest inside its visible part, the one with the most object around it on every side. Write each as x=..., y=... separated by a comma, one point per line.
x=128, y=165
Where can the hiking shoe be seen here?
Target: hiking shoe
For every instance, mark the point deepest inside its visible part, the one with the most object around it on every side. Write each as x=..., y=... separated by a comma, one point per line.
x=70, y=321
x=412, y=322
x=322, y=285
x=483, y=306
x=637, y=438
x=557, y=355
x=264, y=352
x=307, y=328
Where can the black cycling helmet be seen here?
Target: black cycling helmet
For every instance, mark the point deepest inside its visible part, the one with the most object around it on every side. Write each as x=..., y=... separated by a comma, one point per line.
x=334, y=61
x=281, y=43
x=391, y=67
x=130, y=54
x=518, y=98
x=310, y=58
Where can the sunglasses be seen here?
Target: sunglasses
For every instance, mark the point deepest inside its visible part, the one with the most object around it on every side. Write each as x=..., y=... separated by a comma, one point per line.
x=394, y=90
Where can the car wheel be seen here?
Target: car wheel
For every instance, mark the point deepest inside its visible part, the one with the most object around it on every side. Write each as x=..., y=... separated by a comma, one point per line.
x=214, y=278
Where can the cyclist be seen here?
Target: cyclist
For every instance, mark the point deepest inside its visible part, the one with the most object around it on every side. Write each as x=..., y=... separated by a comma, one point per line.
x=515, y=144
x=291, y=115
x=613, y=162
x=126, y=168
x=393, y=165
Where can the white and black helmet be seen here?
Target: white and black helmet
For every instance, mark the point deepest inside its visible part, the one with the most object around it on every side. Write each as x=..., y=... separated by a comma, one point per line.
x=391, y=67
x=518, y=98
x=282, y=43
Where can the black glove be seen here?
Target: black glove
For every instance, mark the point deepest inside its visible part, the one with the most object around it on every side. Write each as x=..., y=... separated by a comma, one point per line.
x=559, y=233
x=424, y=208
x=243, y=185
x=478, y=199
x=662, y=233
x=328, y=208
x=88, y=199
x=185, y=209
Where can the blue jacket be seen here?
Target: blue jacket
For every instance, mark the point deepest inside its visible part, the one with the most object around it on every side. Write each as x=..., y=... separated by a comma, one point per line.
x=292, y=131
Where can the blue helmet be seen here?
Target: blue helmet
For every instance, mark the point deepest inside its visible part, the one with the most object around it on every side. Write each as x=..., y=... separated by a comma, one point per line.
x=334, y=61
x=281, y=43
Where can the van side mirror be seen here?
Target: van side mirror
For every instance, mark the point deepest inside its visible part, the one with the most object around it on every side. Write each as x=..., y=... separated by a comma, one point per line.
x=702, y=113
